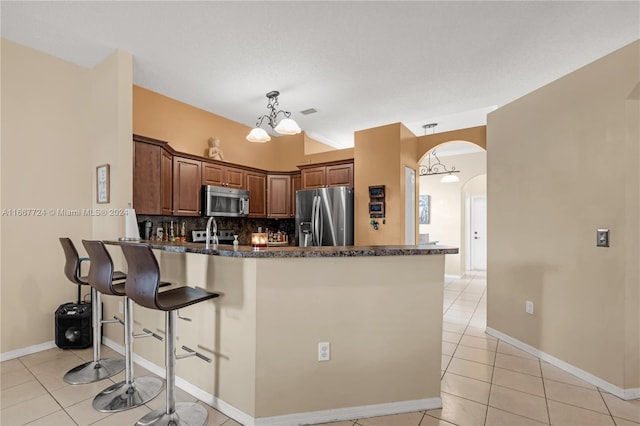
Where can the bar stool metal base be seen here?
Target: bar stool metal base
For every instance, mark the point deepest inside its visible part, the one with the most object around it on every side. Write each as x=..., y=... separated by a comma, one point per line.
x=94, y=371
x=123, y=396
x=185, y=414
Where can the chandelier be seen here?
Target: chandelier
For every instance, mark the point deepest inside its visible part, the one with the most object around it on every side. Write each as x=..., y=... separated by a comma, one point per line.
x=286, y=126
x=435, y=166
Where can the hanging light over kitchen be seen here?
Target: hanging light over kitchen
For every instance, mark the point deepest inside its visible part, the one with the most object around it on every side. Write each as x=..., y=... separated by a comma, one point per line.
x=435, y=166
x=286, y=126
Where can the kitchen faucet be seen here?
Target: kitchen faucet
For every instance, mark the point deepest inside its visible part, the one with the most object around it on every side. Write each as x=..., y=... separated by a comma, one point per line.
x=211, y=221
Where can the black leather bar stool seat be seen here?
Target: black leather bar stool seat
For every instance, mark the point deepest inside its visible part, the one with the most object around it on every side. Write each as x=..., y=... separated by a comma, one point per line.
x=131, y=392
x=142, y=286
x=99, y=368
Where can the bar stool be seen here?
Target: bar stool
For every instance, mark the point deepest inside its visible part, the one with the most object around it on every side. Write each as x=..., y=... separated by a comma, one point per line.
x=99, y=368
x=131, y=392
x=142, y=286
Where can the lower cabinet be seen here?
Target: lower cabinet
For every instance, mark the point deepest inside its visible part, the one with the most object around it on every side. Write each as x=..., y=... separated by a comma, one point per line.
x=256, y=184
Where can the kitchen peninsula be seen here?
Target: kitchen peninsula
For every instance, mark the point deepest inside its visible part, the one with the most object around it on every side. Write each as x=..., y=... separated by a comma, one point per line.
x=378, y=307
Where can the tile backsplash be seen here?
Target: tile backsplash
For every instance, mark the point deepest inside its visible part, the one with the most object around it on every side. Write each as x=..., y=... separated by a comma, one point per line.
x=243, y=227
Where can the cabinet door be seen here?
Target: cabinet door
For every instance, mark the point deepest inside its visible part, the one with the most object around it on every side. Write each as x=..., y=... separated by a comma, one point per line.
x=234, y=177
x=296, y=184
x=186, y=186
x=340, y=175
x=279, y=196
x=257, y=187
x=313, y=177
x=146, y=178
x=212, y=174
x=166, y=183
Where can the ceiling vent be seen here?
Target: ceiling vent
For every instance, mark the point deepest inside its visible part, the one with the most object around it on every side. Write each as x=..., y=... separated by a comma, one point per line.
x=309, y=111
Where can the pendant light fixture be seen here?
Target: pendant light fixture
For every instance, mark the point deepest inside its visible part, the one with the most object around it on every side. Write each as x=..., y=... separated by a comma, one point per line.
x=286, y=126
x=435, y=166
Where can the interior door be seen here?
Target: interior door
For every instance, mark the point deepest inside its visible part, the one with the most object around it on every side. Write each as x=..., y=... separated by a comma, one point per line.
x=409, y=206
x=479, y=233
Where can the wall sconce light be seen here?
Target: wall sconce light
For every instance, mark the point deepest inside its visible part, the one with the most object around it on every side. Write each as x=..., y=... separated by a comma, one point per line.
x=435, y=166
x=286, y=126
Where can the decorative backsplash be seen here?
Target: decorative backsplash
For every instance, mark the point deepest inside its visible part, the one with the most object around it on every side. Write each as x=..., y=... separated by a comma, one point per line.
x=243, y=227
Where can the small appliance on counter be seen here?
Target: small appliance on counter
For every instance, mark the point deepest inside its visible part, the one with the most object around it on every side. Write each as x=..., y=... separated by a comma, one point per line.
x=225, y=236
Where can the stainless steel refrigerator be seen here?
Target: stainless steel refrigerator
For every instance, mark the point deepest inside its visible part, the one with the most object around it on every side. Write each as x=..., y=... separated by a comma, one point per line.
x=324, y=216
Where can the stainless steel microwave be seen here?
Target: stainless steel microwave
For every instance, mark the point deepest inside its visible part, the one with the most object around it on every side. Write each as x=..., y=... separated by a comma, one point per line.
x=222, y=201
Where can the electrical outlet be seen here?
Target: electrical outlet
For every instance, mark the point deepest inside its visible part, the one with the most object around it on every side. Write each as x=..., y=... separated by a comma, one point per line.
x=528, y=307
x=120, y=307
x=324, y=351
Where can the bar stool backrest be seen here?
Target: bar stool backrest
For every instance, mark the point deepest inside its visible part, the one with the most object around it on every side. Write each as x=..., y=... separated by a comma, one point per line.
x=72, y=261
x=143, y=274
x=101, y=267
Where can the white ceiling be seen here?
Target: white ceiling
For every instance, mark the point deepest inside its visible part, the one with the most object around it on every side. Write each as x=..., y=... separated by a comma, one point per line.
x=360, y=64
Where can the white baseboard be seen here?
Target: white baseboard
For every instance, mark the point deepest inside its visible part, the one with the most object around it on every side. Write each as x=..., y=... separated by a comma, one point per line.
x=6, y=356
x=297, y=419
x=627, y=394
x=453, y=277
x=349, y=413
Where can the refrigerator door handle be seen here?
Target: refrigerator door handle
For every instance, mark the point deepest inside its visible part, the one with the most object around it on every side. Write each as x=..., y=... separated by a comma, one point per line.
x=317, y=225
x=314, y=230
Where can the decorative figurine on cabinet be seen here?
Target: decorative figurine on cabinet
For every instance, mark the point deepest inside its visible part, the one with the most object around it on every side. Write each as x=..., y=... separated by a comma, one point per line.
x=215, y=152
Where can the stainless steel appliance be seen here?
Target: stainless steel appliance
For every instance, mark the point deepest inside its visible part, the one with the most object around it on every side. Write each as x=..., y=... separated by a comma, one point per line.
x=222, y=201
x=324, y=216
x=225, y=236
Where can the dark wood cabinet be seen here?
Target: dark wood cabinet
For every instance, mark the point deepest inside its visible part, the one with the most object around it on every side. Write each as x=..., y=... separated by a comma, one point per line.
x=340, y=175
x=333, y=174
x=152, y=179
x=314, y=177
x=278, y=196
x=166, y=183
x=187, y=177
x=296, y=184
x=219, y=175
x=256, y=184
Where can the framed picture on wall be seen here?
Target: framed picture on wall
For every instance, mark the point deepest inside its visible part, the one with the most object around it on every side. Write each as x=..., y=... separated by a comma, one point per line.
x=102, y=183
x=424, y=209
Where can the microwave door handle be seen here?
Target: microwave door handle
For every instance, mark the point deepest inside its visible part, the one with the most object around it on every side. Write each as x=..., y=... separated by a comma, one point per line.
x=241, y=205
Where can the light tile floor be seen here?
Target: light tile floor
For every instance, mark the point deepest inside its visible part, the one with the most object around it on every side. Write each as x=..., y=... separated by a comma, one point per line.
x=485, y=381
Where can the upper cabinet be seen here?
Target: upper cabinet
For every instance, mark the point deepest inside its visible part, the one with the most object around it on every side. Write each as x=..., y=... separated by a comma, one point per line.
x=187, y=178
x=256, y=184
x=152, y=179
x=219, y=175
x=166, y=182
x=279, y=196
x=330, y=174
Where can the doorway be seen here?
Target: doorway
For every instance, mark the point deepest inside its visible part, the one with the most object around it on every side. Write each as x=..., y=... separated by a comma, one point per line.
x=478, y=233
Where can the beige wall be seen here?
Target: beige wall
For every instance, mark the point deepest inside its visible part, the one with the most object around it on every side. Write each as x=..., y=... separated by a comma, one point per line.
x=188, y=128
x=53, y=137
x=564, y=161
x=380, y=156
x=448, y=205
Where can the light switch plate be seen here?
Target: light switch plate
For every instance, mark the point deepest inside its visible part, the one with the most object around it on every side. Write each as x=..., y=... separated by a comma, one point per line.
x=602, y=236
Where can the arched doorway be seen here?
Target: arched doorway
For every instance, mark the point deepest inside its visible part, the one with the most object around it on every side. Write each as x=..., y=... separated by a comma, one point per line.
x=446, y=204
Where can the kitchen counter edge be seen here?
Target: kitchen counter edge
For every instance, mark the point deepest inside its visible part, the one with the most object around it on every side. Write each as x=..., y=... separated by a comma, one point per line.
x=294, y=251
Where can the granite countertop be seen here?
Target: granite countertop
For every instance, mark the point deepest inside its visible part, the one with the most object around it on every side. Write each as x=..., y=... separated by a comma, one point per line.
x=294, y=251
